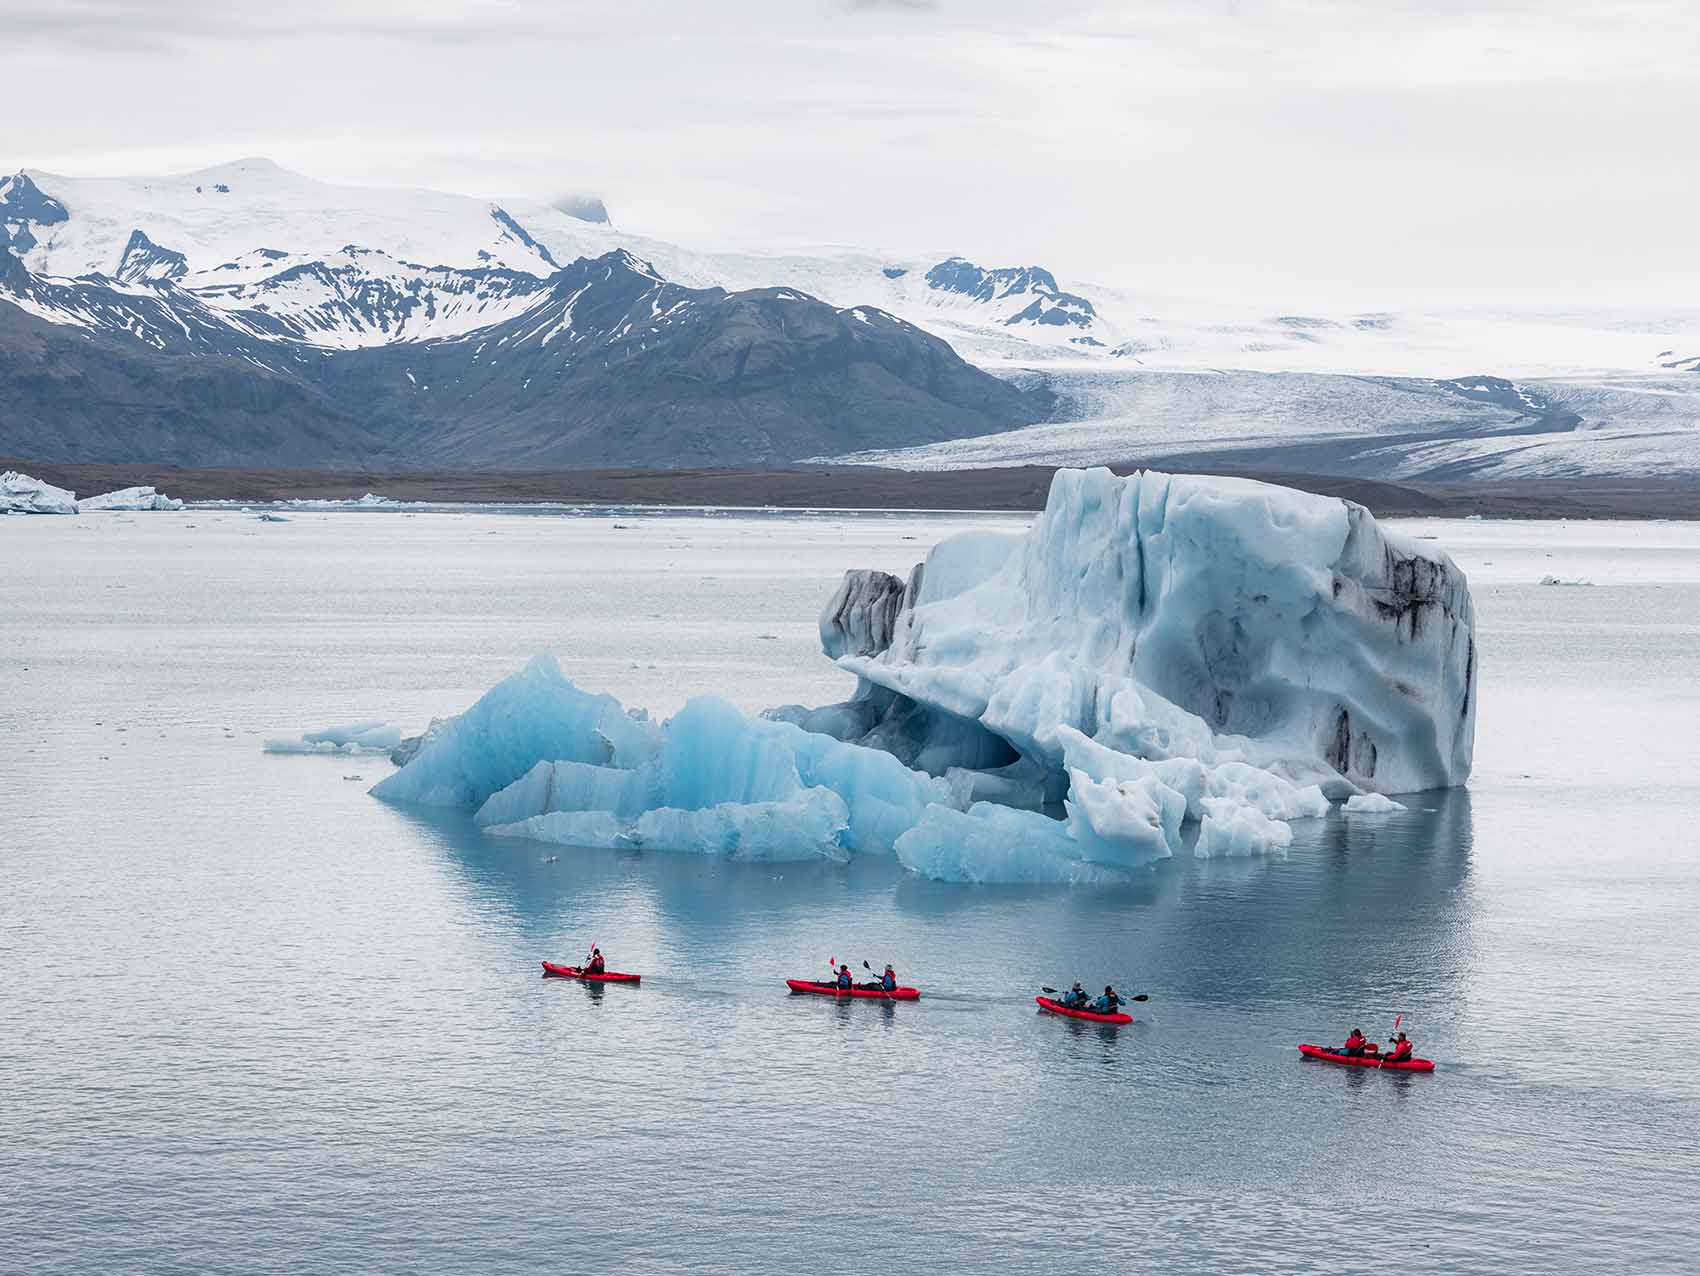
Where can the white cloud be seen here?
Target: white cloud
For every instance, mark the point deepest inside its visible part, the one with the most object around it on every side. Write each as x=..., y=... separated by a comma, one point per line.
x=1302, y=150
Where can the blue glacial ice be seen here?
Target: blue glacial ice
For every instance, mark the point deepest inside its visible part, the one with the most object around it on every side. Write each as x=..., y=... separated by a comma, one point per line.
x=539, y=758
x=354, y=737
x=1156, y=652
x=534, y=716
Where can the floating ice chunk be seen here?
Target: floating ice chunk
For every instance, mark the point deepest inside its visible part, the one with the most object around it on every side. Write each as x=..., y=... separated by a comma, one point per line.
x=369, y=501
x=129, y=498
x=21, y=494
x=1155, y=650
x=990, y=843
x=1578, y=584
x=355, y=737
x=534, y=716
x=722, y=783
x=1371, y=804
x=1124, y=822
x=1231, y=829
x=267, y=516
x=1169, y=613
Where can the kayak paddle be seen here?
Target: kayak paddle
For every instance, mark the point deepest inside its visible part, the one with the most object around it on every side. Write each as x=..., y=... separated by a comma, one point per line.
x=881, y=978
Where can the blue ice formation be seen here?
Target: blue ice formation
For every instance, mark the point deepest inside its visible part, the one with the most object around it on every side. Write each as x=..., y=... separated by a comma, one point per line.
x=1156, y=652
x=533, y=716
x=539, y=758
x=354, y=737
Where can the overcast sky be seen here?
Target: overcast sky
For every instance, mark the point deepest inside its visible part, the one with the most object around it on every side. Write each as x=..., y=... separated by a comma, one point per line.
x=1301, y=150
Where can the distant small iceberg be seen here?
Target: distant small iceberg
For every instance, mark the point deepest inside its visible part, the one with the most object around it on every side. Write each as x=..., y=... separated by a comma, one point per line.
x=24, y=494
x=1371, y=804
x=355, y=737
x=129, y=498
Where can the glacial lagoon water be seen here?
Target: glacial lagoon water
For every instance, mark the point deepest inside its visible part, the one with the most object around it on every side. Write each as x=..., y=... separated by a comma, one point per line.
x=253, y=1020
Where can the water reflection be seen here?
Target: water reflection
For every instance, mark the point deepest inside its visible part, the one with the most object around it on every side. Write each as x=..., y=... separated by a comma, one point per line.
x=1372, y=908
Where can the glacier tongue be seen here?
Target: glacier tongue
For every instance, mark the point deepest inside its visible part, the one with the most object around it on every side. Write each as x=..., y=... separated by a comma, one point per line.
x=1156, y=651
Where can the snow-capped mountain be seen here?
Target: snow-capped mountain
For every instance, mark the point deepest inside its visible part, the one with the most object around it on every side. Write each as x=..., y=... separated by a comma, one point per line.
x=336, y=291
x=601, y=362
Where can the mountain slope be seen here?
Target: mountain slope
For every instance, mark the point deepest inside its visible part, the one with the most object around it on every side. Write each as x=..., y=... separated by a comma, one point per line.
x=443, y=329
x=602, y=363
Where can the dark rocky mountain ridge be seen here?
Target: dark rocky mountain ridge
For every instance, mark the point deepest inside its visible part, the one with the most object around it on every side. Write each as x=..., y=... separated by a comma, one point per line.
x=601, y=363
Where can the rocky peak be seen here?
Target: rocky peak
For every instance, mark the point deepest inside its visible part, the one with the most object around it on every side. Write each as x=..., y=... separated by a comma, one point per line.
x=145, y=262
x=22, y=201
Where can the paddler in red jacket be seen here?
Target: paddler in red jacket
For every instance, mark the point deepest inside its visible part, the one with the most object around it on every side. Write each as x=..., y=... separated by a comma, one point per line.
x=1355, y=1044
x=596, y=965
x=1401, y=1051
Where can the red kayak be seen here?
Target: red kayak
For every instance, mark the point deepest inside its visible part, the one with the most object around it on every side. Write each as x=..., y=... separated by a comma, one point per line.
x=1329, y=1056
x=573, y=972
x=1057, y=1008
x=833, y=990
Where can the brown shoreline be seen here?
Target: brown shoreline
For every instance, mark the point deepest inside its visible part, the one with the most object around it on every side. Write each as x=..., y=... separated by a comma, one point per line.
x=859, y=487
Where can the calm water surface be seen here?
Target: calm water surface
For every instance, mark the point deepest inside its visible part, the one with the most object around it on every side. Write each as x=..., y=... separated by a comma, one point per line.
x=252, y=1020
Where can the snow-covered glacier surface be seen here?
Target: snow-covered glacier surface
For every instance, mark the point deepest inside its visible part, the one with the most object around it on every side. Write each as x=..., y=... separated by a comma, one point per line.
x=1161, y=663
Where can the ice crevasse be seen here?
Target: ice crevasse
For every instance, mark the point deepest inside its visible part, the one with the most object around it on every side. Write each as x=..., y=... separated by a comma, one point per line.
x=1161, y=662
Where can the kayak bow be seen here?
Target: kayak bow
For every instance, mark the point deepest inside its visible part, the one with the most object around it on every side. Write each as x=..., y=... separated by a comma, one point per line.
x=1057, y=1008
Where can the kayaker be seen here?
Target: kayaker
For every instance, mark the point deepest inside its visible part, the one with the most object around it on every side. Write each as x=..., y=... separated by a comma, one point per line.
x=1106, y=1005
x=1401, y=1051
x=596, y=965
x=845, y=981
x=888, y=981
x=1355, y=1045
x=1075, y=997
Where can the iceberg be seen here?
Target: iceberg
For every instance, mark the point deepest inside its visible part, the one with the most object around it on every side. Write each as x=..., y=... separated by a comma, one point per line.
x=1371, y=804
x=355, y=737
x=534, y=716
x=21, y=494
x=129, y=498
x=539, y=758
x=1157, y=653
x=1246, y=649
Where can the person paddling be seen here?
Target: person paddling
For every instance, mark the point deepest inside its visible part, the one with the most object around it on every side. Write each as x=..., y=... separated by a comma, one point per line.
x=845, y=981
x=596, y=965
x=888, y=981
x=1401, y=1052
x=1108, y=1003
x=1075, y=997
x=1355, y=1045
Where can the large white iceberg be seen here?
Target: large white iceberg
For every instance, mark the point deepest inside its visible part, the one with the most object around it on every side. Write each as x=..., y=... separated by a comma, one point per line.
x=22, y=494
x=129, y=498
x=1157, y=652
